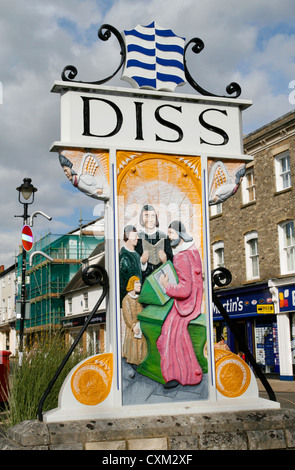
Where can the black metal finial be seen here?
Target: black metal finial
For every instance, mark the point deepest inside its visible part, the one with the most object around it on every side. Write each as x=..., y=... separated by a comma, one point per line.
x=221, y=277
x=197, y=48
x=70, y=72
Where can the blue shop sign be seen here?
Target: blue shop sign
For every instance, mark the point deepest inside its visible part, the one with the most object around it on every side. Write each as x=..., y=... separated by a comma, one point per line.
x=287, y=298
x=241, y=303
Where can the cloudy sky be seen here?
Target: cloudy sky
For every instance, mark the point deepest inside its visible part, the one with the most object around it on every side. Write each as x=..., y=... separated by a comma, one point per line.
x=251, y=42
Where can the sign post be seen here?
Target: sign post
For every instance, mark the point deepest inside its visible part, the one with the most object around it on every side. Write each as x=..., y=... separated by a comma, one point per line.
x=27, y=238
x=158, y=160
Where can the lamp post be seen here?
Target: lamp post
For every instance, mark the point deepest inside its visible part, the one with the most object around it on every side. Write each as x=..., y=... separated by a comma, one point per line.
x=26, y=197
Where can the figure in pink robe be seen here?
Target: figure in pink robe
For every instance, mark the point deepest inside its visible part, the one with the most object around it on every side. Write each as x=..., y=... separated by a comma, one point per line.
x=178, y=359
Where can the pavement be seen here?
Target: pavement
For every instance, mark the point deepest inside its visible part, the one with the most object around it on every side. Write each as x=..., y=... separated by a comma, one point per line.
x=283, y=389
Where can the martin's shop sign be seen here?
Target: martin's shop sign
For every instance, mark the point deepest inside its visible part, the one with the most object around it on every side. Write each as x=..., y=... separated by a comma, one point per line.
x=245, y=303
x=156, y=159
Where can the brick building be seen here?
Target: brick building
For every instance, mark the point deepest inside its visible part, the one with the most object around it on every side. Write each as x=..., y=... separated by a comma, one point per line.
x=252, y=234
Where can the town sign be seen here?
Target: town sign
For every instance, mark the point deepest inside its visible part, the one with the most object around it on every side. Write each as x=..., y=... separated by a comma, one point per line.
x=158, y=159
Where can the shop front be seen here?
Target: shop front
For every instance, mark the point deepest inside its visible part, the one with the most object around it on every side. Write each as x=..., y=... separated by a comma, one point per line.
x=287, y=306
x=93, y=339
x=252, y=309
x=283, y=291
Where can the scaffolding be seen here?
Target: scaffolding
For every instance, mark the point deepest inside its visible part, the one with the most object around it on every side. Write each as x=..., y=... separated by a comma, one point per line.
x=46, y=279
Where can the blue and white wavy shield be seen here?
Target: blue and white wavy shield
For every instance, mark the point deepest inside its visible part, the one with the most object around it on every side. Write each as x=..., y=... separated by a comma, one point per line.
x=154, y=58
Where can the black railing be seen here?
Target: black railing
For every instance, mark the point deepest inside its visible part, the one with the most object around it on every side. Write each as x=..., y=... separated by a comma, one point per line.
x=221, y=277
x=92, y=275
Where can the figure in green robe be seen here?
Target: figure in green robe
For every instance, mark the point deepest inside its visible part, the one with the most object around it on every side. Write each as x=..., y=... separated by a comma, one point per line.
x=129, y=260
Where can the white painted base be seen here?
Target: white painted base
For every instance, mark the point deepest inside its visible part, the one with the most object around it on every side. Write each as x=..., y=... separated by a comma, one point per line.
x=71, y=410
x=221, y=406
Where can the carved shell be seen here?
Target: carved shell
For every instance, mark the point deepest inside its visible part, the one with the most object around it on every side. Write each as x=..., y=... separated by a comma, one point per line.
x=233, y=375
x=92, y=380
x=219, y=353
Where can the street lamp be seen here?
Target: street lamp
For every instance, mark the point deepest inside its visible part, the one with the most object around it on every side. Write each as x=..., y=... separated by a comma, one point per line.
x=26, y=194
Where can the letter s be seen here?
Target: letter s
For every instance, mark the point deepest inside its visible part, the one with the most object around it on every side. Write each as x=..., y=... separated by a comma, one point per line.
x=212, y=128
x=169, y=124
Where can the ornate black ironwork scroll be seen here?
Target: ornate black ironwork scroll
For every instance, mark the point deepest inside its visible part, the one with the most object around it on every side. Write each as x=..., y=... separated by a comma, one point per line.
x=104, y=33
x=92, y=275
x=70, y=72
x=198, y=46
x=221, y=277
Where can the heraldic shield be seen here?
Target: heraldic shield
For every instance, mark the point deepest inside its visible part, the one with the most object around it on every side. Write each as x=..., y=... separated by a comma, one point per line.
x=154, y=58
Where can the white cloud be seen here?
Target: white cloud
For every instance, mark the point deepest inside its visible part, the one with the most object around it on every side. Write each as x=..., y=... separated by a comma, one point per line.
x=247, y=41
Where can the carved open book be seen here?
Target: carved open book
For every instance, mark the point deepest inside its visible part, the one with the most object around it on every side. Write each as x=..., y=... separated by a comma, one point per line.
x=152, y=291
x=153, y=250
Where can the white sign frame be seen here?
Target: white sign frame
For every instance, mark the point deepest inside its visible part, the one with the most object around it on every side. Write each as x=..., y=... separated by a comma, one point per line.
x=209, y=127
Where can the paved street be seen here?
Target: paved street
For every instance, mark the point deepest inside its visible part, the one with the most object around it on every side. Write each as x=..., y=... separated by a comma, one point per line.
x=284, y=391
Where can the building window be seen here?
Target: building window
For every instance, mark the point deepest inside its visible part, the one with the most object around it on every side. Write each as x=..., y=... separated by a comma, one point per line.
x=73, y=336
x=216, y=209
x=248, y=187
x=94, y=345
x=9, y=308
x=70, y=305
x=283, y=171
x=287, y=247
x=218, y=254
x=252, y=256
x=3, y=309
x=85, y=301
